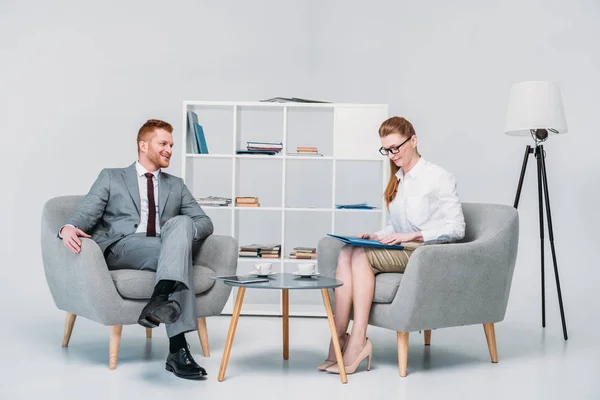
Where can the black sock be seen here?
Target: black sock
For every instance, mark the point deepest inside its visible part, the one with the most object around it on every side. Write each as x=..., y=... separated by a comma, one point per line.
x=177, y=342
x=164, y=287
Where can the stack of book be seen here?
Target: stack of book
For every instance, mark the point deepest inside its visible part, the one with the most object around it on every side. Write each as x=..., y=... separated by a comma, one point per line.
x=261, y=250
x=304, y=253
x=247, y=202
x=270, y=251
x=269, y=148
x=214, y=201
x=305, y=151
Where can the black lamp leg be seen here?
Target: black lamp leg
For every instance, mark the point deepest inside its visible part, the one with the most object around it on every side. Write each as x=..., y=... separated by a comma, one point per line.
x=541, y=214
x=551, y=234
x=523, y=168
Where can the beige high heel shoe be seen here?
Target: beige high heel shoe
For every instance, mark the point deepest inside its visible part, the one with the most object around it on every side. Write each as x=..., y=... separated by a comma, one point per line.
x=329, y=363
x=366, y=352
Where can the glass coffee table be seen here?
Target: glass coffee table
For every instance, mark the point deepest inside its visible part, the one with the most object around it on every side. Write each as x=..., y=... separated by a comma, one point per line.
x=285, y=283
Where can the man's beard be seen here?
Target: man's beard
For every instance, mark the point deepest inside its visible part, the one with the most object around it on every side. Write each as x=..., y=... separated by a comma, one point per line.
x=157, y=160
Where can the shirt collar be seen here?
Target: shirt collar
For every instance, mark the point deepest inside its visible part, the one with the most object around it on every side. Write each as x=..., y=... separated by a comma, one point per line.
x=141, y=171
x=413, y=172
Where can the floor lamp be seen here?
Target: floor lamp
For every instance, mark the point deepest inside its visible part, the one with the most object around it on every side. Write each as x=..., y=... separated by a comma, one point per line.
x=535, y=109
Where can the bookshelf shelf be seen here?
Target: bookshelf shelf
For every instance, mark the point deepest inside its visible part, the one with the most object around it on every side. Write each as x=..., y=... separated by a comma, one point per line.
x=298, y=198
x=209, y=155
x=275, y=157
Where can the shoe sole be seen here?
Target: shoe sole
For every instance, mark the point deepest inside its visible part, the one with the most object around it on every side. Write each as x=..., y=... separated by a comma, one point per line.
x=196, y=377
x=166, y=313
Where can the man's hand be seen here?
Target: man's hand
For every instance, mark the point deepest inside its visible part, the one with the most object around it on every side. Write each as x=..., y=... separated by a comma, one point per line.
x=369, y=236
x=397, y=238
x=71, y=240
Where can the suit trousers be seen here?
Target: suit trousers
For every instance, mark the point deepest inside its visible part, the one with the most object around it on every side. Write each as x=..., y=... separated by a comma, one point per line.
x=170, y=256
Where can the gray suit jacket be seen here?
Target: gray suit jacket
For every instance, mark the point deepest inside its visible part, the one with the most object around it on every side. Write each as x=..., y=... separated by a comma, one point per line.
x=111, y=209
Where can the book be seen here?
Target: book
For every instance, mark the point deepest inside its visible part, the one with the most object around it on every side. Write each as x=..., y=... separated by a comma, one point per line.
x=253, y=143
x=359, y=206
x=192, y=141
x=269, y=255
x=265, y=152
x=203, y=148
x=358, y=242
x=246, y=200
x=292, y=100
x=301, y=248
x=214, y=201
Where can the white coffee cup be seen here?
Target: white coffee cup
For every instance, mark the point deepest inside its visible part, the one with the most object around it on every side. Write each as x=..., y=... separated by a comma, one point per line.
x=263, y=268
x=307, y=269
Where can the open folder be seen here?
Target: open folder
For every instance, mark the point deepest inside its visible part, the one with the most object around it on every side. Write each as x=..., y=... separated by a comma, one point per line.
x=354, y=241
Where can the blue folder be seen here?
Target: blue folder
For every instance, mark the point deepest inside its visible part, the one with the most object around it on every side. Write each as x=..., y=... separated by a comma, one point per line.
x=203, y=148
x=354, y=241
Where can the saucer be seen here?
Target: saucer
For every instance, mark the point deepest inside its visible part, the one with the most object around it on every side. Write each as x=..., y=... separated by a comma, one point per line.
x=306, y=275
x=262, y=275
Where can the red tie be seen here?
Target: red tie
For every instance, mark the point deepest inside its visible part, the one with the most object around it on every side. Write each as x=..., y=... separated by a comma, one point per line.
x=151, y=227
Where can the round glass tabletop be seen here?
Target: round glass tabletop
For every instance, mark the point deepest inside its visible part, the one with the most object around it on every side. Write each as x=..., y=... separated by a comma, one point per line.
x=291, y=281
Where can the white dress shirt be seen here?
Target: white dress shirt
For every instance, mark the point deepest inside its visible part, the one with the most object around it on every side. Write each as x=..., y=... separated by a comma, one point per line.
x=143, y=187
x=427, y=202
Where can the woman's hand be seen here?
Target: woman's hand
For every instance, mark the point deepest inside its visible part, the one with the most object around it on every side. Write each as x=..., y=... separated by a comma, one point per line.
x=369, y=236
x=397, y=238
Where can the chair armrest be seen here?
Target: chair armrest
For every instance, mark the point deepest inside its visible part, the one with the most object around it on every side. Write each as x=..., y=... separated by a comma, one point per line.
x=219, y=253
x=80, y=283
x=328, y=250
x=457, y=284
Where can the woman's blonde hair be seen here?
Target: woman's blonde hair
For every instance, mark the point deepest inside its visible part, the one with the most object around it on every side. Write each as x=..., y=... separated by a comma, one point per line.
x=390, y=126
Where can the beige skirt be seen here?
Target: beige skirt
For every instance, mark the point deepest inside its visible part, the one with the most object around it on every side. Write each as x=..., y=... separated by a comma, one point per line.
x=384, y=260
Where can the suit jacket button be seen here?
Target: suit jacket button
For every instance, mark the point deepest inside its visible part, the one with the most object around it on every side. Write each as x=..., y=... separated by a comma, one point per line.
x=135, y=226
x=122, y=235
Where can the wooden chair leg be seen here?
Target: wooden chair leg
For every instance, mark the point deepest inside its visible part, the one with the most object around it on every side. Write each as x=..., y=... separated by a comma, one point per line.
x=69, y=323
x=203, y=335
x=402, y=352
x=148, y=333
x=490, y=336
x=115, y=341
x=428, y=337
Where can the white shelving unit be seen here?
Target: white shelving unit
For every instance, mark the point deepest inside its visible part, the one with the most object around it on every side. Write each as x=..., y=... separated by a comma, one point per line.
x=298, y=194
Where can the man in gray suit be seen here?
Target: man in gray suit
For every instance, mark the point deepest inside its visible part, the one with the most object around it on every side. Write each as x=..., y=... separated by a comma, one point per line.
x=143, y=218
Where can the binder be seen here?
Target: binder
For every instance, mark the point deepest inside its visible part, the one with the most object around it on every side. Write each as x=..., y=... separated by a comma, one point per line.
x=202, y=147
x=358, y=242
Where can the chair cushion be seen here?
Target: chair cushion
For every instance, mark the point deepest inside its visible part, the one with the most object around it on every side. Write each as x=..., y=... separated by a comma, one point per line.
x=386, y=286
x=139, y=285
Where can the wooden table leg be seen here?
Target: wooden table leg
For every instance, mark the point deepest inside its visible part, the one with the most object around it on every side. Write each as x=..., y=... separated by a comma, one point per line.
x=286, y=323
x=334, y=336
x=230, y=335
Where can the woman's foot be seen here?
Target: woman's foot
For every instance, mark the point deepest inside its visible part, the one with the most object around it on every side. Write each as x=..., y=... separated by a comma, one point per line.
x=331, y=358
x=351, y=364
x=354, y=348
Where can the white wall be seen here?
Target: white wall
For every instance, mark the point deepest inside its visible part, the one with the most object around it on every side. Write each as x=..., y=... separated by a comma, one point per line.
x=77, y=80
x=448, y=67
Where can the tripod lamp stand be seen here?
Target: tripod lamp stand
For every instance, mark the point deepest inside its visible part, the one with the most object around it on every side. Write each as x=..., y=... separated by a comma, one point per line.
x=535, y=109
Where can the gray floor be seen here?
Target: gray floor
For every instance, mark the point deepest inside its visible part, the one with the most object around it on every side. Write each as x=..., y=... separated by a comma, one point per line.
x=535, y=363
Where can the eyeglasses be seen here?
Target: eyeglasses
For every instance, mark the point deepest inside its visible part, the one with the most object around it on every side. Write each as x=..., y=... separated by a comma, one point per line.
x=393, y=150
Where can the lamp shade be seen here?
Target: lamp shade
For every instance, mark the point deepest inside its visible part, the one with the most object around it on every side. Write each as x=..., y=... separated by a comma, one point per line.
x=535, y=105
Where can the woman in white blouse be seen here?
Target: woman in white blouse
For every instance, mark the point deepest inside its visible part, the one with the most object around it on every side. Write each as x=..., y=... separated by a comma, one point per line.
x=424, y=208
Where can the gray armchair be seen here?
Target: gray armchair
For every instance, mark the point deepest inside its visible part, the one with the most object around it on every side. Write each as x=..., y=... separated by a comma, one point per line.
x=446, y=285
x=82, y=284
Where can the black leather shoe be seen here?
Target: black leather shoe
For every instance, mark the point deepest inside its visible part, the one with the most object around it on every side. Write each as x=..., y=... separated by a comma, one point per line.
x=183, y=365
x=159, y=309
